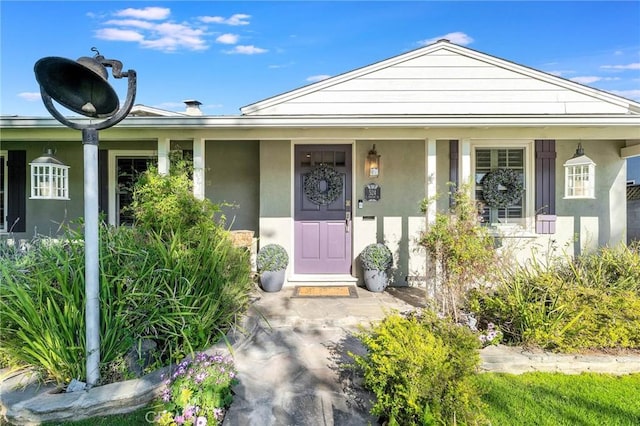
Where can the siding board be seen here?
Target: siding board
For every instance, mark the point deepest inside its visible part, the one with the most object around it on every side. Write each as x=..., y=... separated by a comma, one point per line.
x=389, y=108
x=446, y=80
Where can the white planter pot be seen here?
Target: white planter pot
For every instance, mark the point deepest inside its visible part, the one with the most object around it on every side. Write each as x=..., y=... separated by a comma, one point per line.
x=272, y=281
x=376, y=280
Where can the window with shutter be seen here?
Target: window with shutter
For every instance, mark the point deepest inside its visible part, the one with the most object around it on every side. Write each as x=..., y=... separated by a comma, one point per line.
x=488, y=160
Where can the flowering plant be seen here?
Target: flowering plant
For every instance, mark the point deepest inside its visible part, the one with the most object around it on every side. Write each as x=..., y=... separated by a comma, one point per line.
x=491, y=336
x=198, y=391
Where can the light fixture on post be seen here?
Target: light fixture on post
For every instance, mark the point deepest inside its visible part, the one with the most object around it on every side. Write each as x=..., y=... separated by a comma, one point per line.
x=49, y=177
x=372, y=164
x=82, y=87
x=579, y=176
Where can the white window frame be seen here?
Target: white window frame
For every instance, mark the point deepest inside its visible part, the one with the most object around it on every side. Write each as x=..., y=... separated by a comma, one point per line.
x=49, y=181
x=5, y=187
x=528, y=220
x=112, y=178
x=588, y=170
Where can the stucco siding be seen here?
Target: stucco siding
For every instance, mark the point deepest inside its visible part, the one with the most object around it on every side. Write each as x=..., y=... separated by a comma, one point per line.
x=602, y=220
x=275, y=178
x=232, y=175
x=45, y=217
x=395, y=219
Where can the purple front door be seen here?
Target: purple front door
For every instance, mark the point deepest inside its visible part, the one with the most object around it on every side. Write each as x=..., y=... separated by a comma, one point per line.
x=322, y=209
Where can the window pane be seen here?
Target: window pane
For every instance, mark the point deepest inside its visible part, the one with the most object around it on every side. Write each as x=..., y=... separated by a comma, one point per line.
x=488, y=160
x=128, y=170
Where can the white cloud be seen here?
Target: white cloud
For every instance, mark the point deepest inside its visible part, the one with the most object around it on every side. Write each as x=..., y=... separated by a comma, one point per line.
x=136, y=23
x=629, y=94
x=30, y=96
x=560, y=73
x=116, y=34
x=164, y=36
x=227, y=38
x=634, y=66
x=150, y=13
x=151, y=28
x=237, y=19
x=587, y=79
x=246, y=50
x=592, y=79
x=456, y=37
x=318, y=77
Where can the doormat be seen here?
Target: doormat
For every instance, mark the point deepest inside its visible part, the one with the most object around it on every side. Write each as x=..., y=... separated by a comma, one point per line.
x=325, y=291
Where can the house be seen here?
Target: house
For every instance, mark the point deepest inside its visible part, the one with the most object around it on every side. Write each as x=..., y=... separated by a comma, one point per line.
x=328, y=168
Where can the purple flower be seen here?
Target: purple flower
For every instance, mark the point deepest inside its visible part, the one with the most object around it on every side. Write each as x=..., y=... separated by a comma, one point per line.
x=179, y=420
x=218, y=413
x=201, y=421
x=189, y=412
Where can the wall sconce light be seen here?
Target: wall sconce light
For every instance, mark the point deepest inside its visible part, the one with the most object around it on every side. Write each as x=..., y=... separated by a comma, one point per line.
x=49, y=177
x=372, y=165
x=579, y=176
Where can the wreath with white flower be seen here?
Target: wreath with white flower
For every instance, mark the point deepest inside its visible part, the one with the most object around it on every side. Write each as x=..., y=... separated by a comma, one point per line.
x=507, y=178
x=321, y=194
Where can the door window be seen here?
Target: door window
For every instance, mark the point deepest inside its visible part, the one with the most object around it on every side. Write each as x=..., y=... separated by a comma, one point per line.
x=128, y=170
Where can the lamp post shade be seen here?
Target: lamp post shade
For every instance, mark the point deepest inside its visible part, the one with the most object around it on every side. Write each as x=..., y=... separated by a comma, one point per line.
x=80, y=86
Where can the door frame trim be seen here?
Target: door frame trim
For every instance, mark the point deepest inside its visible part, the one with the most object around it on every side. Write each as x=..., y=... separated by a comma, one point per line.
x=292, y=173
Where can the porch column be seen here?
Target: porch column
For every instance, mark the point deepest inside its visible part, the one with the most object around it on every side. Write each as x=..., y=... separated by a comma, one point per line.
x=465, y=162
x=431, y=178
x=198, y=168
x=164, y=145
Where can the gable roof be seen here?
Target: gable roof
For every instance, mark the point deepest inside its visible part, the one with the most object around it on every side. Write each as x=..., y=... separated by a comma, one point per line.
x=444, y=79
x=139, y=110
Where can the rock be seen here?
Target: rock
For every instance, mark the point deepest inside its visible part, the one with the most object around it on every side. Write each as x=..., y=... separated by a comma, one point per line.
x=76, y=386
x=140, y=356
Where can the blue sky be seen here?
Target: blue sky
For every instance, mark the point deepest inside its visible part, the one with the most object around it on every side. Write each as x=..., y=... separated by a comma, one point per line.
x=228, y=54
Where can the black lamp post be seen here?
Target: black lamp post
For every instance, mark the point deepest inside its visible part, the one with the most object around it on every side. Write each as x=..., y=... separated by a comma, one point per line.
x=82, y=87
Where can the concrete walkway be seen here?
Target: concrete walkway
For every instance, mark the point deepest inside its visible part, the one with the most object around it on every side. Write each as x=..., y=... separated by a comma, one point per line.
x=290, y=358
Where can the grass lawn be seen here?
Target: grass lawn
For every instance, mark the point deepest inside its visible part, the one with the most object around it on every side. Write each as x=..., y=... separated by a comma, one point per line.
x=136, y=418
x=557, y=399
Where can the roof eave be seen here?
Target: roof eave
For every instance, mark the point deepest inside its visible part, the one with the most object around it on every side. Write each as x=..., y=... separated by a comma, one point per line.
x=316, y=121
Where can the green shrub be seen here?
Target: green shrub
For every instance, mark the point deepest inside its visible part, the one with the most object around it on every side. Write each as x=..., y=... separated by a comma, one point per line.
x=592, y=302
x=461, y=251
x=165, y=203
x=420, y=367
x=178, y=281
x=376, y=257
x=272, y=257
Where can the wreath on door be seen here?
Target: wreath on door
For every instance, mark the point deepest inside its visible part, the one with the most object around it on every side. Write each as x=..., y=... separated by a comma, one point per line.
x=323, y=185
x=507, y=178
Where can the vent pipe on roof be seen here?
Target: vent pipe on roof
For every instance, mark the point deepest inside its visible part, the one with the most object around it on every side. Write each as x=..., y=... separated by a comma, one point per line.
x=193, y=107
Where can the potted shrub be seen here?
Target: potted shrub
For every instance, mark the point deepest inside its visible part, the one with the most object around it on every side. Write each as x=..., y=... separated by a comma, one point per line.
x=272, y=261
x=376, y=260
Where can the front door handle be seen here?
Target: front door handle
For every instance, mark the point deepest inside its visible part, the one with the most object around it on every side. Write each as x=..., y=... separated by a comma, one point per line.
x=347, y=220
